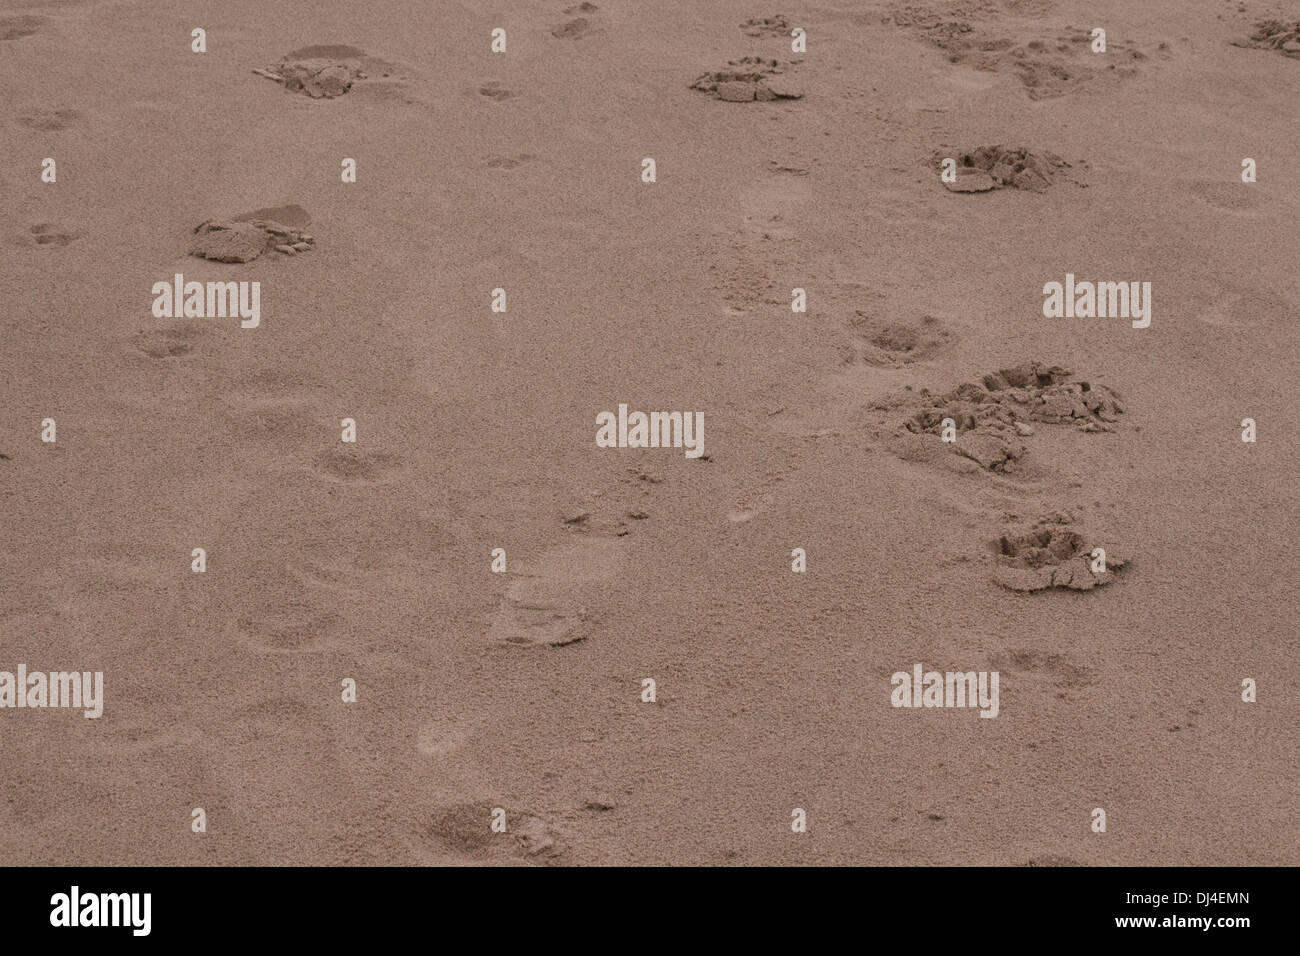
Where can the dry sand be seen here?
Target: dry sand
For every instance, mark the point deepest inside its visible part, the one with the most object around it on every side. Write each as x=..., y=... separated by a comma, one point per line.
x=522, y=690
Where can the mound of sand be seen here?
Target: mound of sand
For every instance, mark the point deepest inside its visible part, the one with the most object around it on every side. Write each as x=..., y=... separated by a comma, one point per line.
x=774, y=26
x=321, y=72
x=748, y=79
x=1029, y=392
x=246, y=237
x=1276, y=35
x=1053, y=553
x=997, y=167
x=994, y=417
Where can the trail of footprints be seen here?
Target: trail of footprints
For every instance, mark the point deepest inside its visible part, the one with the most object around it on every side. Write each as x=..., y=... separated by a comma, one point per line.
x=554, y=600
x=1050, y=66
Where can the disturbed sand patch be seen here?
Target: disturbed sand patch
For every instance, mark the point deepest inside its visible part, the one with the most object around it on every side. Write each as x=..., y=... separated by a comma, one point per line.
x=51, y=234
x=245, y=237
x=47, y=120
x=1000, y=167
x=579, y=26
x=1046, y=67
x=14, y=28
x=1280, y=35
x=1052, y=553
x=749, y=79
x=326, y=71
x=893, y=344
x=778, y=25
x=993, y=418
x=464, y=828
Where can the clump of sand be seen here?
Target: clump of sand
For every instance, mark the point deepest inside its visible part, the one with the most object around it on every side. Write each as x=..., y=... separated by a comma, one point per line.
x=749, y=79
x=998, y=167
x=1052, y=553
x=994, y=418
x=778, y=25
x=244, y=238
x=321, y=72
x=1276, y=35
x=1029, y=392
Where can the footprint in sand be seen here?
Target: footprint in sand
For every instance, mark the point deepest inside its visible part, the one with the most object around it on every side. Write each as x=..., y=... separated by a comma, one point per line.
x=14, y=28
x=750, y=79
x=1049, y=859
x=890, y=344
x=289, y=627
x=552, y=602
x=167, y=343
x=1051, y=553
x=1236, y=199
x=49, y=234
x=1063, y=672
x=444, y=737
x=997, y=167
x=509, y=162
x=774, y=26
x=993, y=417
x=48, y=121
x=465, y=829
x=245, y=237
x=579, y=26
x=351, y=465
x=1046, y=68
x=1280, y=35
x=494, y=91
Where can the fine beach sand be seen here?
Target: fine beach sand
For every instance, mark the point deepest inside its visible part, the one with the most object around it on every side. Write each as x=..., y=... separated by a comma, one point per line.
x=522, y=690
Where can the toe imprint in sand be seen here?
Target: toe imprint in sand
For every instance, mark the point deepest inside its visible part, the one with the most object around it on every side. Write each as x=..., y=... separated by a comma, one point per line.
x=246, y=237
x=747, y=80
x=1051, y=554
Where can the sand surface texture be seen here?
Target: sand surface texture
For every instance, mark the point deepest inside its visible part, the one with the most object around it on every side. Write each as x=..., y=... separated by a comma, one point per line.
x=775, y=170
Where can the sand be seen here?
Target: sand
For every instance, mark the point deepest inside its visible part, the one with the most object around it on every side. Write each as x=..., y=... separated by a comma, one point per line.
x=525, y=690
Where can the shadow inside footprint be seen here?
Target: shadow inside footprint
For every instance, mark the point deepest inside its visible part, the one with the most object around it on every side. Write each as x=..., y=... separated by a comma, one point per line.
x=1051, y=554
